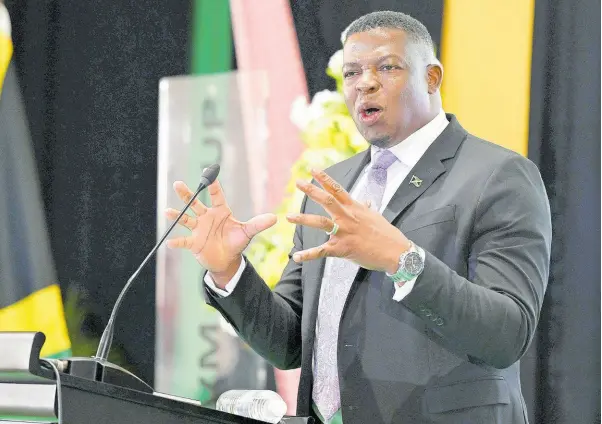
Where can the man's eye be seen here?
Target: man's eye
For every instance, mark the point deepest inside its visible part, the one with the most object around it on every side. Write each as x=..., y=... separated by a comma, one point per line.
x=349, y=74
x=388, y=67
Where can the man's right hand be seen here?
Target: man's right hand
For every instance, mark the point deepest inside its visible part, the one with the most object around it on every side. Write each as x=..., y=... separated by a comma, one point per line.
x=217, y=239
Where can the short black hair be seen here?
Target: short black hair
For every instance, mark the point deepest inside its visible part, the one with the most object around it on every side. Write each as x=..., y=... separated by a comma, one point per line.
x=416, y=31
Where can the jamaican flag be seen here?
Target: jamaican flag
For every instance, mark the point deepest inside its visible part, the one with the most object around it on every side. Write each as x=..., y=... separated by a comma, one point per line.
x=30, y=298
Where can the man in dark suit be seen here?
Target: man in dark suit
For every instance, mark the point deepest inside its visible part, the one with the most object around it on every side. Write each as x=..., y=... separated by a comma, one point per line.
x=419, y=266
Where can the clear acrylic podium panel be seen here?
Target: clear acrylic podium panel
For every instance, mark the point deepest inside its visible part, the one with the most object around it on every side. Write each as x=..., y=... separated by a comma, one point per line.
x=218, y=118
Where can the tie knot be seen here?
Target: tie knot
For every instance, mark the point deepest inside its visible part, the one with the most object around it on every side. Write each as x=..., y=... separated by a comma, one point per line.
x=384, y=159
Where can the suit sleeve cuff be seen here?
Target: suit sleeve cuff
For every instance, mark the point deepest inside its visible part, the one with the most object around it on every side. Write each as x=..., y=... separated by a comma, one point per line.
x=231, y=284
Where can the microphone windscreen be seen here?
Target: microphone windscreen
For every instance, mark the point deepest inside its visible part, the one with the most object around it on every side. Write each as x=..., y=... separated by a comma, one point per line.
x=210, y=174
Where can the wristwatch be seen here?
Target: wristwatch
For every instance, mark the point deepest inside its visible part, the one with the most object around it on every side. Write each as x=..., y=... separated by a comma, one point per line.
x=411, y=264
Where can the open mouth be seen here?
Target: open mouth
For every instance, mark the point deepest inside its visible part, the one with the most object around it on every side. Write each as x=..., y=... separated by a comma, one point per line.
x=371, y=110
x=369, y=115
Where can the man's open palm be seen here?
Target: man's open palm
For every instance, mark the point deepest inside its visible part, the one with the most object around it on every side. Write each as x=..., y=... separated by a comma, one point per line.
x=217, y=239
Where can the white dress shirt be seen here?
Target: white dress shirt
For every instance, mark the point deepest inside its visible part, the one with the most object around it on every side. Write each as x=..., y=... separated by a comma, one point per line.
x=408, y=153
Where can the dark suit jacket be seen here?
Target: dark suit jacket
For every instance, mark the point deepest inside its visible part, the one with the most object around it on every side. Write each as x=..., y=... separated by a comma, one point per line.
x=449, y=352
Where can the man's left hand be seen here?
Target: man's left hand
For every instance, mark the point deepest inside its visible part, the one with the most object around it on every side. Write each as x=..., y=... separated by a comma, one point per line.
x=363, y=235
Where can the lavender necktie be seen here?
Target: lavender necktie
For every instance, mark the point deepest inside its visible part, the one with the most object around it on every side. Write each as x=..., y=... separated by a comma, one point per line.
x=338, y=278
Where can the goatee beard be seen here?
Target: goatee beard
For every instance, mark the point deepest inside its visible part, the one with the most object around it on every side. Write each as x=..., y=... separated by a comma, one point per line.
x=383, y=142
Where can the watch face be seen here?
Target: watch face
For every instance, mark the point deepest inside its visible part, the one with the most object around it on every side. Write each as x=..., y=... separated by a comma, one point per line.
x=413, y=263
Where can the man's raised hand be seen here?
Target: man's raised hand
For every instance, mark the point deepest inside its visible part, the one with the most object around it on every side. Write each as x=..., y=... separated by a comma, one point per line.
x=216, y=239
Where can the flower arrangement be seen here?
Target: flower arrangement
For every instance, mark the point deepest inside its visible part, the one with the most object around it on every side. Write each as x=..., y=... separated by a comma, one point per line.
x=330, y=136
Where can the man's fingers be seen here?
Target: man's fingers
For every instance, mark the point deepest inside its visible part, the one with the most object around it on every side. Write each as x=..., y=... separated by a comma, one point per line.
x=315, y=221
x=186, y=194
x=186, y=220
x=216, y=194
x=313, y=253
x=180, y=243
x=258, y=224
x=332, y=187
x=321, y=197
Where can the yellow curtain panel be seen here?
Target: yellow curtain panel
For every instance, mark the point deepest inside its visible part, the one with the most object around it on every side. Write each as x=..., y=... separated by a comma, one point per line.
x=486, y=54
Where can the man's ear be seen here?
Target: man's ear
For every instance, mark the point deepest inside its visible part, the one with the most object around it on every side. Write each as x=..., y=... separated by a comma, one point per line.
x=434, y=77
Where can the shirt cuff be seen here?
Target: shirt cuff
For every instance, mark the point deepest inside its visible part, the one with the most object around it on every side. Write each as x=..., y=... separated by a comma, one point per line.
x=403, y=289
x=231, y=284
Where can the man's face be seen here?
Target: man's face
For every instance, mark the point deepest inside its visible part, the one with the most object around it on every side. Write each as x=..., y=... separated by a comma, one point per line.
x=385, y=99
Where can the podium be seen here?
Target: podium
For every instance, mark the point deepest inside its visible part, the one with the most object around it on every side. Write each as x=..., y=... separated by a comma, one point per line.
x=30, y=392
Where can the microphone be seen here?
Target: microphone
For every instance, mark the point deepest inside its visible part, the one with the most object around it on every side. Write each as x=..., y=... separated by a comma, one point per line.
x=102, y=353
x=97, y=367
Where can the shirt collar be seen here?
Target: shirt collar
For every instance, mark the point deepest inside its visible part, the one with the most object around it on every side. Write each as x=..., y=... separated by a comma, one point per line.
x=410, y=150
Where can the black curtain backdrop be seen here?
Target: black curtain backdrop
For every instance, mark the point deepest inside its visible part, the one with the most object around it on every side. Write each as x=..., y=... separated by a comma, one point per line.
x=561, y=373
x=89, y=73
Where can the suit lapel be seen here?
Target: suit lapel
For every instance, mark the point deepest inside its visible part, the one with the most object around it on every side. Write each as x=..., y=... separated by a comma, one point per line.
x=427, y=170
x=430, y=166
x=418, y=180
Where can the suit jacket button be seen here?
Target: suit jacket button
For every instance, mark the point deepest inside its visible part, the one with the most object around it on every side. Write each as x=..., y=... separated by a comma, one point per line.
x=428, y=312
x=439, y=322
x=422, y=308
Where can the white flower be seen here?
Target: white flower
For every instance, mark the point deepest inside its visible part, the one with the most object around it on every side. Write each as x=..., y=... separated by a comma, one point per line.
x=343, y=34
x=321, y=100
x=335, y=64
x=300, y=112
x=4, y=21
